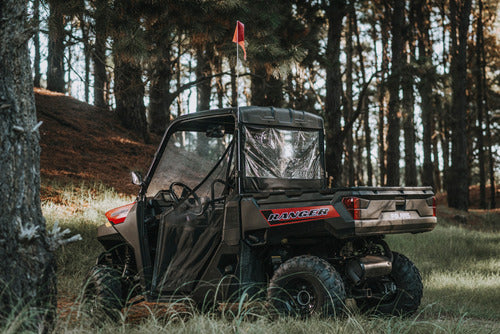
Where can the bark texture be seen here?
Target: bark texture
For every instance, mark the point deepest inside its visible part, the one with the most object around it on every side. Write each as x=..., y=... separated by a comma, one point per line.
x=55, y=69
x=382, y=88
x=99, y=54
x=480, y=107
x=394, y=114
x=458, y=185
x=334, y=148
x=426, y=71
x=204, y=56
x=36, y=43
x=408, y=102
x=127, y=56
x=129, y=94
x=161, y=74
x=27, y=266
x=348, y=100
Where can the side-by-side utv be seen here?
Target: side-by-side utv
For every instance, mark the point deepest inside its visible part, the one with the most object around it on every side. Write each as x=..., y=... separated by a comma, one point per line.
x=236, y=201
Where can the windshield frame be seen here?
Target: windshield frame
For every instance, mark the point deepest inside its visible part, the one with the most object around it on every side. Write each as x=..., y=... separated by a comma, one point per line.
x=190, y=122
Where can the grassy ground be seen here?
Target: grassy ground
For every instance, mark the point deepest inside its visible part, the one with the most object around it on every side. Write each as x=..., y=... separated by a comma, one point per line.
x=460, y=267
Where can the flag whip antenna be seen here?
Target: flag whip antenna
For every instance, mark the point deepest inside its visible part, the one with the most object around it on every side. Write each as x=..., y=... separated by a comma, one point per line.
x=239, y=39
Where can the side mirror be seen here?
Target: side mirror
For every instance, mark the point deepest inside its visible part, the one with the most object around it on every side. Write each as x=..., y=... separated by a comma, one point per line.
x=136, y=178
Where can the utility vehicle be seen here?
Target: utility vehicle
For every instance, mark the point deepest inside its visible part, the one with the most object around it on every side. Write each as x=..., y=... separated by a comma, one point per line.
x=236, y=202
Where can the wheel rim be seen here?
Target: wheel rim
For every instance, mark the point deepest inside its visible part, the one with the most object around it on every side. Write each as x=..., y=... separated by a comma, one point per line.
x=300, y=296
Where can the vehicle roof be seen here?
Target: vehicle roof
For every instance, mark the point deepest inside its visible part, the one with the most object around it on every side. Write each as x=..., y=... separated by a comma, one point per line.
x=269, y=116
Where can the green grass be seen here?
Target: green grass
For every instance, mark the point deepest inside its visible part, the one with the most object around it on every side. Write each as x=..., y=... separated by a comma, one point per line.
x=460, y=269
x=81, y=209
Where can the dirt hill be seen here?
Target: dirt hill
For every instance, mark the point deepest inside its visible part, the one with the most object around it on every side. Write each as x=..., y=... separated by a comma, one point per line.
x=83, y=143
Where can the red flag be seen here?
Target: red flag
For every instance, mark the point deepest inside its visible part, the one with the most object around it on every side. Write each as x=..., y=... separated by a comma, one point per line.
x=239, y=37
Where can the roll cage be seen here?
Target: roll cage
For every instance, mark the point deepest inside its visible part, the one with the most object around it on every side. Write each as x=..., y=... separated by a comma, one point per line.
x=237, y=121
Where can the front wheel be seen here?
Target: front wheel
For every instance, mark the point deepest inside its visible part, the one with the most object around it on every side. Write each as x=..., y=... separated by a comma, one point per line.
x=405, y=298
x=103, y=297
x=307, y=285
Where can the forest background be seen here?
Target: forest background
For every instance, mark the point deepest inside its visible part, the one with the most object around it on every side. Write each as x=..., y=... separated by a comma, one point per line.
x=409, y=89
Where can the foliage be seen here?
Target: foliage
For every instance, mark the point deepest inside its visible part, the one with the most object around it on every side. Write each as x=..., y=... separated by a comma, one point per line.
x=181, y=55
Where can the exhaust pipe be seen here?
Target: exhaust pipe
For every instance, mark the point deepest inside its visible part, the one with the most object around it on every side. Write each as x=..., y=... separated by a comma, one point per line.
x=367, y=267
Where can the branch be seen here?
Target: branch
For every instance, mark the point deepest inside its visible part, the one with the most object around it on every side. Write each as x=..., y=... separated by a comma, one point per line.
x=57, y=238
x=358, y=111
x=198, y=81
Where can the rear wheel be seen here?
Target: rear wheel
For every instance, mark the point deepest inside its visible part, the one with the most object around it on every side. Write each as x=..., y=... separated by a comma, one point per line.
x=405, y=298
x=306, y=285
x=103, y=297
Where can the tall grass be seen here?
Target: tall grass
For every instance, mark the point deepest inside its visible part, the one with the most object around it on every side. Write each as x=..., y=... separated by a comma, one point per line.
x=80, y=208
x=460, y=270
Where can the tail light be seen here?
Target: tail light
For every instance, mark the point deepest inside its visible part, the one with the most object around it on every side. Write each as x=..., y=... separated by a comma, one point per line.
x=118, y=215
x=352, y=205
x=431, y=202
x=434, y=210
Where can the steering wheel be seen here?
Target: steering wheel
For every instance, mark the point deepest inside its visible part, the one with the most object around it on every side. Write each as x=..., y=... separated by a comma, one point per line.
x=185, y=194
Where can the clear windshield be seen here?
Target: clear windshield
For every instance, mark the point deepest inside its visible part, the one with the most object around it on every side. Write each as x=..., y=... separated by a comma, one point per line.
x=188, y=158
x=282, y=154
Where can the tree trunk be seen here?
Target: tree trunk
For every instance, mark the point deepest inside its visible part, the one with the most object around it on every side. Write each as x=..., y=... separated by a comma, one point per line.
x=129, y=95
x=27, y=269
x=445, y=143
x=348, y=101
x=437, y=176
x=128, y=86
x=491, y=158
x=458, y=190
x=409, y=131
x=408, y=103
x=426, y=71
x=366, y=110
x=394, y=114
x=384, y=64
x=55, y=68
x=68, y=73
x=160, y=77
x=480, y=107
x=204, y=56
x=335, y=15
x=36, y=43
x=159, y=104
x=86, y=53
x=218, y=81
x=99, y=55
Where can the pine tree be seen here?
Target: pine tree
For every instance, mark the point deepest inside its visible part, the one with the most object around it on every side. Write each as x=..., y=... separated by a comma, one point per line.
x=426, y=72
x=394, y=84
x=27, y=269
x=458, y=186
x=57, y=34
x=101, y=14
x=128, y=51
x=335, y=12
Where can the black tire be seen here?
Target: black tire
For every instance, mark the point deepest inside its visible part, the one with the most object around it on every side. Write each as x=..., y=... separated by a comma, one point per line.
x=409, y=289
x=307, y=285
x=103, y=297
